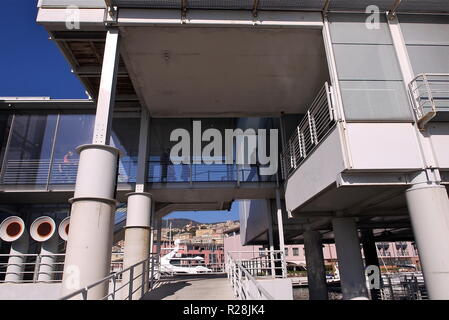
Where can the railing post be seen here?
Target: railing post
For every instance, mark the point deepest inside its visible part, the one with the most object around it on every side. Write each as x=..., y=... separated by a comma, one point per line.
x=240, y=282
x=114, y=286
x=84, y=294
x=152, y=273
x=36, y=268
x=144, y=273
x=131, y=280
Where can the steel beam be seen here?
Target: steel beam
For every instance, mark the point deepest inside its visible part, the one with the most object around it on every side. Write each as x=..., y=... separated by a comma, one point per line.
x=89, y=243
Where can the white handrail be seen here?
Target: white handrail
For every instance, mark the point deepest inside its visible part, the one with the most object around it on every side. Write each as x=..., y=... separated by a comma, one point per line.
x=313, y=128
x=428, y=92
x=147, y=276
x=240, y=277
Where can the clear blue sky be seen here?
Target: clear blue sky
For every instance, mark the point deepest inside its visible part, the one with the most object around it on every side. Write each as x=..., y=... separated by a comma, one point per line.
x=208, y=216
x=32, y=65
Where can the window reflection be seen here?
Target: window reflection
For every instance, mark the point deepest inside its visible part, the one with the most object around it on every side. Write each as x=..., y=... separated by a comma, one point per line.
x=29, y=153
x=73, y=130
x=125, y=136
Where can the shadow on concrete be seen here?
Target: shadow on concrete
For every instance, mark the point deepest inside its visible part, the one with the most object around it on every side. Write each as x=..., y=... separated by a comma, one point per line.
x=169, y=286
x=165, y=290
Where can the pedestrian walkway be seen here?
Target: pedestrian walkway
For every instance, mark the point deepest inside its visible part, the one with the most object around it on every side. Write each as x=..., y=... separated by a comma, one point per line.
x=192, y=287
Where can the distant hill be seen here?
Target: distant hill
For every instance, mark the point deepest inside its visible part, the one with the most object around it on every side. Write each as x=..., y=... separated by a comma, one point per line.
x=179, y=222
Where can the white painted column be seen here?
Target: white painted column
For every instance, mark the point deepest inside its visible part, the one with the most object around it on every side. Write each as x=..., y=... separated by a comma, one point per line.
x=13, y=230
x=428, y=205
x=137, y=238
x=350, y=263
x=316, y=272
x=138, y=219
x=88, y=254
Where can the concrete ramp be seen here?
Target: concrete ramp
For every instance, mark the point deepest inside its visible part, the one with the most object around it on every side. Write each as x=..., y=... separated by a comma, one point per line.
x=192, y=287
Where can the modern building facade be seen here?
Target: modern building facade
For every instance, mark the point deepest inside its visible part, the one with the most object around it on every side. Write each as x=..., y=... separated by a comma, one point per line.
x=358, y=92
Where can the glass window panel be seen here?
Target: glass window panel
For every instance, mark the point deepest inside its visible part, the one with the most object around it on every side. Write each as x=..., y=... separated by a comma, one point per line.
x=73, y=130
x=29, y=153
x=125, y=136
x=5, y=125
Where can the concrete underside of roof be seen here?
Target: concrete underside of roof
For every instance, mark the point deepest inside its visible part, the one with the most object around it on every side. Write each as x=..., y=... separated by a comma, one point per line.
x=382, y=209
x=208, y=71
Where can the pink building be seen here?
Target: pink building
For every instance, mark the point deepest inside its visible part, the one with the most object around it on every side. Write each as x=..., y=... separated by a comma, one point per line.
x=396, y=254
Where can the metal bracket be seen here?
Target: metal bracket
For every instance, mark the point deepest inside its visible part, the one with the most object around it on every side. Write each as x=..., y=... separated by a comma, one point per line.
x=254, y=10
x=391, y=14
x=184, y=11
x=326, y=8
x=110, y=14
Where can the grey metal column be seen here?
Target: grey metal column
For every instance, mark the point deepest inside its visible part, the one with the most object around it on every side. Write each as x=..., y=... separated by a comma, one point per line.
x=316, y=272
x=350, y=263
x=138, y=219
x=370, y=253
x=428, y=205
x=88, y=254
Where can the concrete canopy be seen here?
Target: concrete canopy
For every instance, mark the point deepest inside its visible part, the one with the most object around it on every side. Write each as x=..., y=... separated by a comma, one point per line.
x=209, y=71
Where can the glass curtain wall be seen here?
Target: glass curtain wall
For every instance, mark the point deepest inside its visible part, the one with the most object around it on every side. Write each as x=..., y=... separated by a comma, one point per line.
x=28, y=157
x=41, y=149
x=162, y=169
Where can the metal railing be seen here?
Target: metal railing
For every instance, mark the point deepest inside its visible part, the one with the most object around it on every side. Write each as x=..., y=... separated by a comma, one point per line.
x=134, y=281
x=29, y=269
x=45, y=172
x=313, y=128
x=244, y=285
x=265, y=264
x=429, y=93
x=403, y=286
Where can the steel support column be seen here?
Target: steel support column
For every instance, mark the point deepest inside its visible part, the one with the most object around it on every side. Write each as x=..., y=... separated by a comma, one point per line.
x=88, y=254
x=370, y=253
x=350, y=261
x=428, y=205
x=138, y=219
x=316, y=272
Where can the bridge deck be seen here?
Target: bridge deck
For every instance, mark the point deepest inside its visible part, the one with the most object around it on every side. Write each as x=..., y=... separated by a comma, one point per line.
x=191, y=287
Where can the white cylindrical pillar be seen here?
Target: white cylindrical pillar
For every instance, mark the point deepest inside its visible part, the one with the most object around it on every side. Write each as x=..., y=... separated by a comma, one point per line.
x=316, y=272
x=350, y=263
x=88, y=253
x=13, y=230
x=43, y=230
x=137, y=241
x=428, y=206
